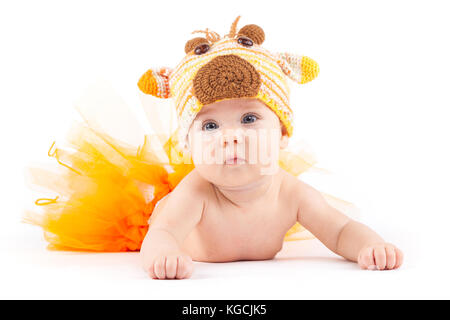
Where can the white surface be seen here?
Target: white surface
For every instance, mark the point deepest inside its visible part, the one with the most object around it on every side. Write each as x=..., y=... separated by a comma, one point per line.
x=302, y=270
x=377, y=116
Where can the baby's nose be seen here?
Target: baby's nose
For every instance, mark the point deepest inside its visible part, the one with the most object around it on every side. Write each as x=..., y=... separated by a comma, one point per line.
x=232, y=137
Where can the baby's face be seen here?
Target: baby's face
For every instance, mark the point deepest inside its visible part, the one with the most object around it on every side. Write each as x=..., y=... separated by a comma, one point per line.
x=234, y=142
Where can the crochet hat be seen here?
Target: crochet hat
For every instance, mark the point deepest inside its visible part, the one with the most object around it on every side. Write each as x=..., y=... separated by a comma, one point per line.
x=234, y=66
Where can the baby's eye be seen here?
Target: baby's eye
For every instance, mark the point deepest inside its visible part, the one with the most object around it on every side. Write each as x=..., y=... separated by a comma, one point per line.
x=210, y=126
x=249, y=118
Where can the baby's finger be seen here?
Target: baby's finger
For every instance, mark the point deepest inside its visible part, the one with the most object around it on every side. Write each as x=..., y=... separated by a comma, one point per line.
x=171, y=267
x=380, y=257
x=184, y=267
x=390, y=257
x=151, y=272
x=160, y=267
x=366, y=258
x=399, y=258
x=190, y=267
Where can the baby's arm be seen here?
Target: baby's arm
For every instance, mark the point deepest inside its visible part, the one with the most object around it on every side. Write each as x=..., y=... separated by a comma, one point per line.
x=172, y=220
x=342, y=235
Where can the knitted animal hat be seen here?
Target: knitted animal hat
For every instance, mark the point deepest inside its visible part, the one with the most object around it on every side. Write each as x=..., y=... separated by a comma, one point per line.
x=234, y=66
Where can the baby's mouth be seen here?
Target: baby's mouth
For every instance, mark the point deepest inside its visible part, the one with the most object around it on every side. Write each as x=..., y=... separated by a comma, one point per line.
x=234, y=161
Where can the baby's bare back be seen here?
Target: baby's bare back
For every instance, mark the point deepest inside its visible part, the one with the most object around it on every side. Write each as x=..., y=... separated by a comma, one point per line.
x=230, y=232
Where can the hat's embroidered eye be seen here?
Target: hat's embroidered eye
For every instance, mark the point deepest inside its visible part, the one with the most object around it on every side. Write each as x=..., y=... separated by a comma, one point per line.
x=245, y=41
x=253, y=32
x=201, y=49
x=195, y=43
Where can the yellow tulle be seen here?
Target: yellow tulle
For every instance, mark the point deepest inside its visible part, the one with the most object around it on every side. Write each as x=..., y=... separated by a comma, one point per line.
x=105, y=188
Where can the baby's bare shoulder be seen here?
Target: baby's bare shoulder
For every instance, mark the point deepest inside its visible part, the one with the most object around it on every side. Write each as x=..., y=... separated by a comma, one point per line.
x=186, y=202
x=294, y=186
x=289, y=190
x=192, y=187
x=194, y=181
x=289, y=184
x=302, y=195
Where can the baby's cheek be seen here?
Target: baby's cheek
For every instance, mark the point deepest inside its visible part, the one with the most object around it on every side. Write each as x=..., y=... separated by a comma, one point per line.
x=209, y=152
x=267, y=149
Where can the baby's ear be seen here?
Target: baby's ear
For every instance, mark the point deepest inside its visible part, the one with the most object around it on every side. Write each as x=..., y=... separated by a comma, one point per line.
x=301, y=69
x=156, y=82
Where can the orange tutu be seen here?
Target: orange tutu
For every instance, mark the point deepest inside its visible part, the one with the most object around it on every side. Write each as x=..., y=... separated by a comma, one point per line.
x=105, y=188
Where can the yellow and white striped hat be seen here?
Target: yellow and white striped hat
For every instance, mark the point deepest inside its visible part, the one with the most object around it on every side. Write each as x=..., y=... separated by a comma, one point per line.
x=234, y=66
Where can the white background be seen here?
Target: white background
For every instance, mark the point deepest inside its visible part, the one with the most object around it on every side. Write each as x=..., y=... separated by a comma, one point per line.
x=377, y=116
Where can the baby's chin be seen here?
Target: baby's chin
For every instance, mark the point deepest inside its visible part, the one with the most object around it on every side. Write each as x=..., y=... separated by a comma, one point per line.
x=232, y=175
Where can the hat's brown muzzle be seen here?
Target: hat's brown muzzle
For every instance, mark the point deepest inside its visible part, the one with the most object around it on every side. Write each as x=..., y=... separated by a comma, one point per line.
x=226, y=76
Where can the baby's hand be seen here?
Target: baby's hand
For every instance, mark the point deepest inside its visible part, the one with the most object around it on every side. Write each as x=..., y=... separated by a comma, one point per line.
x=173, y=266
x=382, y=256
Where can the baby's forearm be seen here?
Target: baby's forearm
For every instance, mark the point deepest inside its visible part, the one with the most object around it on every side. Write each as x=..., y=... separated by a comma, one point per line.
x=353, y=237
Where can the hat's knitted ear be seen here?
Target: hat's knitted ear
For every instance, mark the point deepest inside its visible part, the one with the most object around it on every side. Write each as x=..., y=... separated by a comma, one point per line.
x=156, y=82
x=301, y=69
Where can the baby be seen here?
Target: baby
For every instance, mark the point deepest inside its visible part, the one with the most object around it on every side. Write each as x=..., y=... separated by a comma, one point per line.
x=232, y=101
x=230, y=211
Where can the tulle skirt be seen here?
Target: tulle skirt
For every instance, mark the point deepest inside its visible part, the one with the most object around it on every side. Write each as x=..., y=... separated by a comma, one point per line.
x=114, y=168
